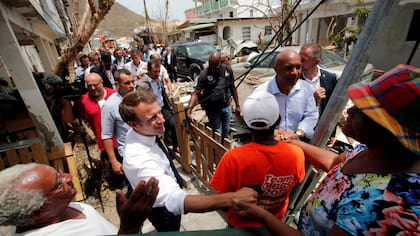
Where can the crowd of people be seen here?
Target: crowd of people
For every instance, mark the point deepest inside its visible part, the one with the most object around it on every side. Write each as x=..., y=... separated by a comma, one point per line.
x=372, y=189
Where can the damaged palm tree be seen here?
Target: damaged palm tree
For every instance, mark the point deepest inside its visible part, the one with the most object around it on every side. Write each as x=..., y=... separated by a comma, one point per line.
x=83, y=27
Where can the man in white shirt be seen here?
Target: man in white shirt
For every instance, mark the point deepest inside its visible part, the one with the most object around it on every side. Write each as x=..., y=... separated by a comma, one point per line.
x=136, y=62
x=79, y=81
x=84, y=64
x=146, y=157
x=119, y=59
x=321, y=81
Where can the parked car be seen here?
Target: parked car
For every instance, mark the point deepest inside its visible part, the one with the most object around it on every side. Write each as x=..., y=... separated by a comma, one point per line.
x=192, y=57
x=264, y=68
x=237, y=49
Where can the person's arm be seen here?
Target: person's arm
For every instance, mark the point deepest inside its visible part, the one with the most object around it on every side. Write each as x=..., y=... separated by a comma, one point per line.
x=107, y=125
x=310, y=116
x=193, y=102
x=236, y=99
x=318, y=157
x=168, y=85
x=167, y=80
x=273, y=224
x=110, y=151
x=205, y=203
x=134, y=210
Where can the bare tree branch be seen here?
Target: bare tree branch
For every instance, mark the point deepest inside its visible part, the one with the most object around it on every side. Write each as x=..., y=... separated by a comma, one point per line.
x=82, y=24
x=83, y=32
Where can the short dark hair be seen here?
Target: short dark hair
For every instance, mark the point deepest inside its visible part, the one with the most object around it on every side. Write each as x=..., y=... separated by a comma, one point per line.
x=106, y=57
x=83, y=56
x=131, y=100
x=117, y=74
x=152, y=62
x=117, y=49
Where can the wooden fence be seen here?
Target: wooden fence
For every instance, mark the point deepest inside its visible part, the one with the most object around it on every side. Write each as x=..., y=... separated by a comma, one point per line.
x=200, y=148
x=33, y=150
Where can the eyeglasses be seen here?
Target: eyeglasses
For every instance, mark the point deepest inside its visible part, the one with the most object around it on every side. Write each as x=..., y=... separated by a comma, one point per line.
x=59, y=183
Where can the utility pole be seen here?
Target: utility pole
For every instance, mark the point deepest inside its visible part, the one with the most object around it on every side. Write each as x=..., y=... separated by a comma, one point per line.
x=148, y=26
x=166, y=20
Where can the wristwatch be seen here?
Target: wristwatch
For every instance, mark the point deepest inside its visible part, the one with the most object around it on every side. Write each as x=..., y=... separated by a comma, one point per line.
x=299, y=134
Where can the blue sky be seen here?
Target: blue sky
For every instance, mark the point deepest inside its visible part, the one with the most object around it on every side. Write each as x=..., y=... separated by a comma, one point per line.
x=156, y=7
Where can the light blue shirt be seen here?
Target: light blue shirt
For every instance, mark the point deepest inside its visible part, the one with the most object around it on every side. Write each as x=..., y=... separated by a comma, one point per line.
x=297, y=109
x=112, y=123
x=156, y=88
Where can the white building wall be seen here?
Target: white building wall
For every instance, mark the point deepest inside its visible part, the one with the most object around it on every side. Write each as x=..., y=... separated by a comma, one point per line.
x=257, y=26
x=244, y=9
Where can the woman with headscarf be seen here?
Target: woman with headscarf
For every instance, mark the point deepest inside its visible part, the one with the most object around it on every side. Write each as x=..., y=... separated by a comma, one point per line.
x=375, y=188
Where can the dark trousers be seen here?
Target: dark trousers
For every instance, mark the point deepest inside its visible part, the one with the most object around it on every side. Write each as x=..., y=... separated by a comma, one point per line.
x=170, y=125
x=164, y=221
x=115, y=181
x=172, y=74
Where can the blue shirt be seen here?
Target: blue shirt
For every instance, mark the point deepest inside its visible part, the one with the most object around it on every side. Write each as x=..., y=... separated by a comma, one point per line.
x=157, y=87
x=297, y=109
x=112, y=123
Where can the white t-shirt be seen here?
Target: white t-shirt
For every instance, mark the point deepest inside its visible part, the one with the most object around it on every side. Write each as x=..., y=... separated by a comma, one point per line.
x=93, y=224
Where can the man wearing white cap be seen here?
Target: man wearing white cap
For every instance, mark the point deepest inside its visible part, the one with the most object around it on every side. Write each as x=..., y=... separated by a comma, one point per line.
x=270, y=167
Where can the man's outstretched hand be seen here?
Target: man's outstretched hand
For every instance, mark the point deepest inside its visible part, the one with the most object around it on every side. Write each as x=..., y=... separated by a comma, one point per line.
x=134, y=210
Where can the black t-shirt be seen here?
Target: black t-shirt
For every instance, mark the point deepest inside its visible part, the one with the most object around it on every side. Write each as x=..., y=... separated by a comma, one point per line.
x=216, y=89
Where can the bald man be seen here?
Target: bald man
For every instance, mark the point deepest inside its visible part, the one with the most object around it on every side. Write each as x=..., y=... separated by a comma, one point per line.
x=91, y=104
x=215, y=90
x=294, y=96
x=36, y=199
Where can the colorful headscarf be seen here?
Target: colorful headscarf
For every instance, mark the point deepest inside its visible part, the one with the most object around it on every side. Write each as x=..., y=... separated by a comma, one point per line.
x=393, y=101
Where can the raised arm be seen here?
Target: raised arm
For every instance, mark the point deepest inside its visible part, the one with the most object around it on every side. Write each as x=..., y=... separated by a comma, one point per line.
x=318, y=157
x=134, y=210
x=193, y=102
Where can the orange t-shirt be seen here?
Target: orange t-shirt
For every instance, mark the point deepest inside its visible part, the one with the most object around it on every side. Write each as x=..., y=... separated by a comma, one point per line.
x=272, y=171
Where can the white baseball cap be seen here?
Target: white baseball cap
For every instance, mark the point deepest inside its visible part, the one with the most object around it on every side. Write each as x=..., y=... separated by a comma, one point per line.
x=260, y=110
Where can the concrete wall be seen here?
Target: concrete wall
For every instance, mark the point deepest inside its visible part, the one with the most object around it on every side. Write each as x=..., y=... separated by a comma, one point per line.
x=393, y=48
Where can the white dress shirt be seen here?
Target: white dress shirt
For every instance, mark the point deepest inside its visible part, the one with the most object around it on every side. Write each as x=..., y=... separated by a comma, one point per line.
x=315, y=82
x=144, y=159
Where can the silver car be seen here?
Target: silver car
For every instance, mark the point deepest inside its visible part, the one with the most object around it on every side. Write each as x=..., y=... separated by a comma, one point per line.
x=263, y=71
x=264, y=68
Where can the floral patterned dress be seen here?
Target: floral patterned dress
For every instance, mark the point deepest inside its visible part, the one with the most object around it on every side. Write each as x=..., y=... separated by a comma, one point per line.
x=363, y=204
